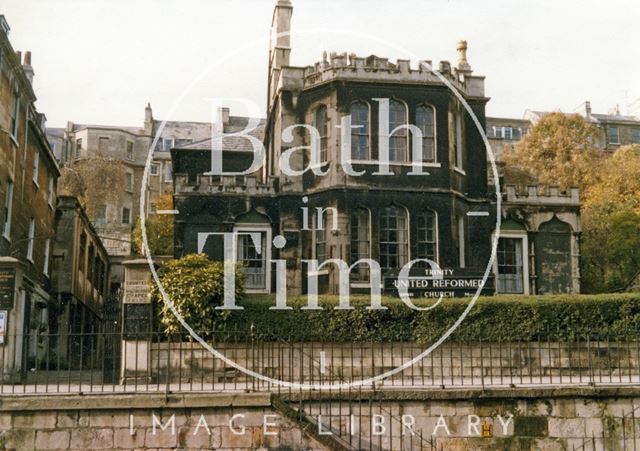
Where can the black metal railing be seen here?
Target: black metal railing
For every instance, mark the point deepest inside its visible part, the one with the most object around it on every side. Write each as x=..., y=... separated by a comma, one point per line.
x=104, y=362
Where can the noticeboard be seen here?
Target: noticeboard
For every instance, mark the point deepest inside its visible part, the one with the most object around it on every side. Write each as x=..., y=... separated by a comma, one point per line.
x=3, y=325
x=7, y=288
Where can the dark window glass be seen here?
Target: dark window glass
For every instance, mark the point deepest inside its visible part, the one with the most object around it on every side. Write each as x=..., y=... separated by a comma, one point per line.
x=397, y=141
x=360, y=134
x=393, y=238
x=425, y=122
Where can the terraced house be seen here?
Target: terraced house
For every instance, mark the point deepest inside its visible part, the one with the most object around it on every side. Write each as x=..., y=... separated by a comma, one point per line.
x=28, y=175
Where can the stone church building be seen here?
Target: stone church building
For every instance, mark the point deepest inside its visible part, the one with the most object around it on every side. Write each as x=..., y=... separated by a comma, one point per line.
x=438, y=204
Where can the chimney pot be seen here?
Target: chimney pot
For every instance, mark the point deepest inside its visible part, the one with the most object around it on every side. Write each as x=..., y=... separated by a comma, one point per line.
x=587, y=108
x=462, y=52
x=19, y=56
x=463, y=65
x=27, y=58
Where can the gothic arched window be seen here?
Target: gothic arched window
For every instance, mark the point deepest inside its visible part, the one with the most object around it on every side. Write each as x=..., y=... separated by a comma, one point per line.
x=397, y=141
x=425, y=121
x=321, y=124
x=359, y=131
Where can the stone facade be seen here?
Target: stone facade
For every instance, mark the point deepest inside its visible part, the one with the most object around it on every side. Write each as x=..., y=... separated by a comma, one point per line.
x=615, y=129
x=80, y=281
x=541, y=228
x=28, y=179
x=130, y=145
x=437, y=206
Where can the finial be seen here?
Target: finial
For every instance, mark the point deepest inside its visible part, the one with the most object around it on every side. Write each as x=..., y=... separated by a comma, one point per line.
x=462, y=53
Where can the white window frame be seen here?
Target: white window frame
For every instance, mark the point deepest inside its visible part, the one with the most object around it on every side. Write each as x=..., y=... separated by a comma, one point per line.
x=167, y=140
x=36, y=168
x=435, y=233
x=8, y=209
x=15, y=117
x=103, y=220
x=122, y=216
x=50, y=193
x=31, y=239
x=154, y=169
x=617, y=141
x=435, y=136
x=369, y=133
x=458, y=165
x=47, y=251
x=128, y=187
x=78, y=148
x=260, y=228
x=132, y=145
x=401, y=127
x=407, y=231
x=517, y=234
x=361, y=283
x=322, y=134
x=462, y=257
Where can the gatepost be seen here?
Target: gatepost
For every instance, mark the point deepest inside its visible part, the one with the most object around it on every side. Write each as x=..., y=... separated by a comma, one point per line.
x=136, y=322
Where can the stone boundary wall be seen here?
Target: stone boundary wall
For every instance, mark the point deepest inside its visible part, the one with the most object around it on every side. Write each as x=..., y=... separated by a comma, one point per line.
x=126, y=422
x=550, y=419
x=519, y=362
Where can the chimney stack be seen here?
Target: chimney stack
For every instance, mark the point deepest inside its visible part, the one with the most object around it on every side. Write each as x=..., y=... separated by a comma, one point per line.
x=587, y=108
x=223, y=117
x=26, y=66
x=148, y=119
x=281, y=27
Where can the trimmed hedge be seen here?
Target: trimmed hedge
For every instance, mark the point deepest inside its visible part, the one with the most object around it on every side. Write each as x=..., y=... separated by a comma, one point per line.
x=500, y=318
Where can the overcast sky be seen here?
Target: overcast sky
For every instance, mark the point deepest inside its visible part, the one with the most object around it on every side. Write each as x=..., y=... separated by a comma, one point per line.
x=101, y=61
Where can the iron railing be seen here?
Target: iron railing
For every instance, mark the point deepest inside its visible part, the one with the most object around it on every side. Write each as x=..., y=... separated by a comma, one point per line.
x=104, y=362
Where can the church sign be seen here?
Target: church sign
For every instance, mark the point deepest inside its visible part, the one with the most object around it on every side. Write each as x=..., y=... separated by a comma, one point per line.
x=444, y=284
x=136, y=292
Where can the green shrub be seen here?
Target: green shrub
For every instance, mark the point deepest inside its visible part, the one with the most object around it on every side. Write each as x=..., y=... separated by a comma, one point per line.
x=195, y=285
x=516, y=318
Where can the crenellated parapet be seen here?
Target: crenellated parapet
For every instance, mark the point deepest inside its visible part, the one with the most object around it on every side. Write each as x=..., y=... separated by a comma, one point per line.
x=213, y=184
x=541, y=195
x=340, y=66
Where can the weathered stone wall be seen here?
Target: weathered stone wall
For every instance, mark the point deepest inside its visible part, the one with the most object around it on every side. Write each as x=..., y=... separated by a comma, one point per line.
x=523, y=419
x=127, y=422
x=452, y=364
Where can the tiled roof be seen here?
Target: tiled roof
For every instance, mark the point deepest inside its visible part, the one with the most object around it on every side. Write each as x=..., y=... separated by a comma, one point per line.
x=232, y=143
x=615, y=118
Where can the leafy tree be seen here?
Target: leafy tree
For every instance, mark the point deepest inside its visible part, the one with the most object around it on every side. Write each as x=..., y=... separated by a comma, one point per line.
x=559, y=150
x=159, y=229
x=611, y=223
x=195, y=285
x=94, y=181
